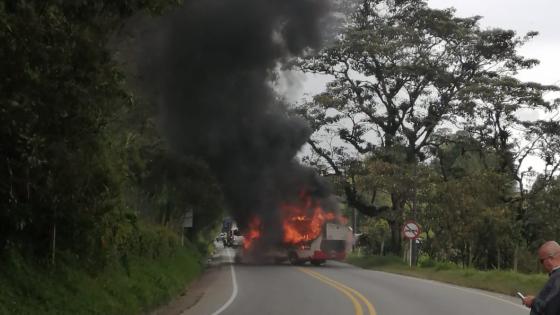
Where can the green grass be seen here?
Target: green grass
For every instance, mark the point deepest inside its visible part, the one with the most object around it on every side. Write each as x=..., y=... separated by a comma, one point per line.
x=68, y=288
x=506, y=282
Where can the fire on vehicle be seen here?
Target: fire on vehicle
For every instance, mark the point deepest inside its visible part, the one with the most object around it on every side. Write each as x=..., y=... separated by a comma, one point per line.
x=309, y=234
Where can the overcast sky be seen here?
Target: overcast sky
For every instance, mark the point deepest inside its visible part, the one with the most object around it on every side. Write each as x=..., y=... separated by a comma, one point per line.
x=521, y=16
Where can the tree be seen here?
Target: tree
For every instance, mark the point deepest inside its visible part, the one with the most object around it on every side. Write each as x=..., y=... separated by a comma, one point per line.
x=497, y=126
x=60, y=93
x=542, y=209
x=400, y=70
x=463, y=204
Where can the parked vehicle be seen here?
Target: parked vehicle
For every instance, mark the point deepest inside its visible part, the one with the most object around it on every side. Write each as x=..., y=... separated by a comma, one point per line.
x=233, y=237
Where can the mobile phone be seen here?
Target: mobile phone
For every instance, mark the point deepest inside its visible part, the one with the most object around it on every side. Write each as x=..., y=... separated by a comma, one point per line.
x=521, y=296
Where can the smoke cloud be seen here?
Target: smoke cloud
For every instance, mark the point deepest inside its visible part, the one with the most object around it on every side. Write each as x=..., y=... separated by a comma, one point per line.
x=211, y=63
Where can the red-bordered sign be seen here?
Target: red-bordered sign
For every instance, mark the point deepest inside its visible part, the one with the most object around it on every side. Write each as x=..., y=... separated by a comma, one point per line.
x=411, y=230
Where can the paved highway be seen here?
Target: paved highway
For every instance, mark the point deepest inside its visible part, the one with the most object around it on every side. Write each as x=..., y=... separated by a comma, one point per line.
x=337, y=288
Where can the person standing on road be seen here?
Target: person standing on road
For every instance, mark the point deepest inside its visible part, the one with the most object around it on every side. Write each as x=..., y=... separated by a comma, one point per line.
x=547, y=302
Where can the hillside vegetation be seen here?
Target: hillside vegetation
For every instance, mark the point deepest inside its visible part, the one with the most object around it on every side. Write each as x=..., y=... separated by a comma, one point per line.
x=92, y=198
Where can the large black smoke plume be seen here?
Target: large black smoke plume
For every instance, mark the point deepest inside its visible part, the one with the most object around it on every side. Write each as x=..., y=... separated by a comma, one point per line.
x=211, y=63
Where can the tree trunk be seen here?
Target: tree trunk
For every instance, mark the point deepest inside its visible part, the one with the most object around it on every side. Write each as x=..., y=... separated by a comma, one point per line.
x=395, y=221
x=53, y=245
x=470, y=253
x=515, y=253
x=467, y=255
x=396, y=246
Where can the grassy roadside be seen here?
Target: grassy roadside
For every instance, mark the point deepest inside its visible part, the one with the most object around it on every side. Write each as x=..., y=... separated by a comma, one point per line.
x=506, y=282
x=70, y=289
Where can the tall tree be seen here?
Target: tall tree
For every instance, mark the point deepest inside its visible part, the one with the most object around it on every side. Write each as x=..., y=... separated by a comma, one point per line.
x=497, y=124
x=400, y=70
x=59, y=92
x=464, y=204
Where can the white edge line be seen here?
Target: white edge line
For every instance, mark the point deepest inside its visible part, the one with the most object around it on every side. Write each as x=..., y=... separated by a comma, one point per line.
x=474, y=291
x=234, y=293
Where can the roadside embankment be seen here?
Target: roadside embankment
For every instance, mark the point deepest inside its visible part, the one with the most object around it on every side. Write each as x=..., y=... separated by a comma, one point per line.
x=500, y=281
x=133, y=284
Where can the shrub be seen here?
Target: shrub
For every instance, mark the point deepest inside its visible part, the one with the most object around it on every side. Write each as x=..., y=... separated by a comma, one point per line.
x=444, y=265
x=426, y=262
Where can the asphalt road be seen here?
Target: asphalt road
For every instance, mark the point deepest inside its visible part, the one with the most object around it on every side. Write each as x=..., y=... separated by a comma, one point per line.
x=336, y=288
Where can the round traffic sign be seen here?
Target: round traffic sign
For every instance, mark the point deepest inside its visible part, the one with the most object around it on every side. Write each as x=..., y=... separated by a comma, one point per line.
x=411, y=230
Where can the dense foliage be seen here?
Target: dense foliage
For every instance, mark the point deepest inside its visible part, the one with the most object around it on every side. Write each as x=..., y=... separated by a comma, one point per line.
x=154, y=276
x=423, y=118
x=81, y=159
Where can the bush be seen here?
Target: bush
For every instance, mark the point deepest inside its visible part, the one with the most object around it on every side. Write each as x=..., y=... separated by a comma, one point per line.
x=374, y=261
x=445, y=265
x=425, y=261
x=133, y=284
x=506, y=282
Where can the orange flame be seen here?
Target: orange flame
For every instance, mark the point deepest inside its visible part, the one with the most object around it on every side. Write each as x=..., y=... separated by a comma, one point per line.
x=304, y=222
x=253, y=233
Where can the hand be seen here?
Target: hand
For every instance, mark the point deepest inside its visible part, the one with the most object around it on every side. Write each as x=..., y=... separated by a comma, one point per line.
x=528, y=300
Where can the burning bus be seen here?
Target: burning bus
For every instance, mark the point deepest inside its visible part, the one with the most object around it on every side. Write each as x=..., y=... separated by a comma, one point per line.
x=333, y=244
x=309, y=233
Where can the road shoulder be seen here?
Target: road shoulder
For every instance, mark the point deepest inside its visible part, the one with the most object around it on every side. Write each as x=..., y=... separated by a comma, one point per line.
x=206, y=294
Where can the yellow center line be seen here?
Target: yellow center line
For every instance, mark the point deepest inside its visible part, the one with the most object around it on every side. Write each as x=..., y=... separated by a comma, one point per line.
x=357, y=306
x=369, y=306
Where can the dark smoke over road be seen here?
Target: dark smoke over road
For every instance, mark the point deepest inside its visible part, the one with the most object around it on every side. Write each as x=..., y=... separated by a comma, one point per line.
x=211, y=63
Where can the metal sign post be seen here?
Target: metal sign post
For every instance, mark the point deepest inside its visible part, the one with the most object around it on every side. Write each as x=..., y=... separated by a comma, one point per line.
x=411, y=231
x=410, y=253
